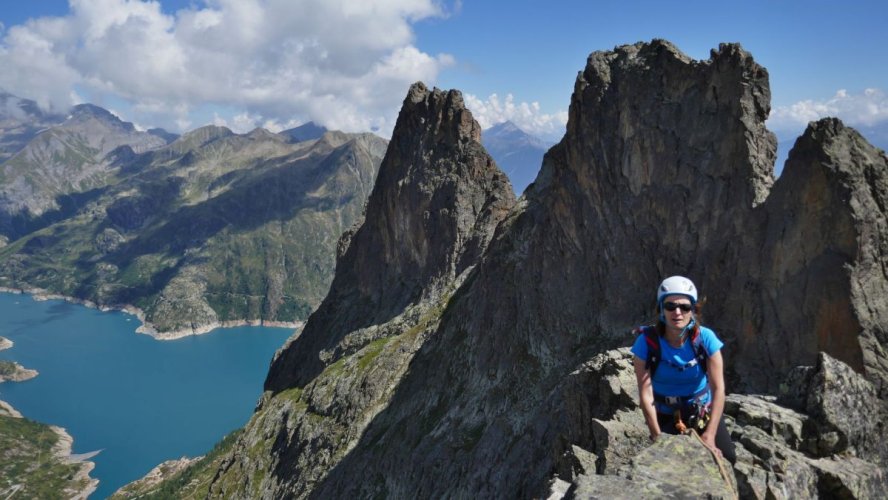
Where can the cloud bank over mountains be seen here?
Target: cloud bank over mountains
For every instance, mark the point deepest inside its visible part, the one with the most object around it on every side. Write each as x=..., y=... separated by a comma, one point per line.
x=279, y=63
x=868, y=108
x=275, y=62
x=528, y=117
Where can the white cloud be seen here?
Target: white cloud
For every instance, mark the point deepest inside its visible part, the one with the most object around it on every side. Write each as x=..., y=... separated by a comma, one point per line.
x=867, y=108
x=526, y=116
x=342, y=63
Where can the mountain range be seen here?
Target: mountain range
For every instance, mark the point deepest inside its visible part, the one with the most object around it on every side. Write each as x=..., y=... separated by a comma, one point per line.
x=471, y=344
x=195, y=231
x=474, y=345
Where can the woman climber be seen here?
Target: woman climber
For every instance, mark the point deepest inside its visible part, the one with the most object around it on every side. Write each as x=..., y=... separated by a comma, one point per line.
x=679, y=368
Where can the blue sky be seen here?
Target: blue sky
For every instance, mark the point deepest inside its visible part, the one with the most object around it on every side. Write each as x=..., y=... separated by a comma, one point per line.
x=346, y=64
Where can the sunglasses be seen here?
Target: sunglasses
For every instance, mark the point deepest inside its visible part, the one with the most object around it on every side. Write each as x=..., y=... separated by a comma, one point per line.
x=671, y=306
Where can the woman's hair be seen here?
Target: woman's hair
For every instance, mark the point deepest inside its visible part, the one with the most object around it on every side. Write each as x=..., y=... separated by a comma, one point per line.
x=698, y=319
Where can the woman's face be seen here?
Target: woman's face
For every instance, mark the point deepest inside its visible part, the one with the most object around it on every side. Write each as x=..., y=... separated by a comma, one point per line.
x=677, y=318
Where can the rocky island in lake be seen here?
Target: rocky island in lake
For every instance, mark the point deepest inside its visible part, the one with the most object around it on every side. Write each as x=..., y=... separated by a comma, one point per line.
x=10, y=370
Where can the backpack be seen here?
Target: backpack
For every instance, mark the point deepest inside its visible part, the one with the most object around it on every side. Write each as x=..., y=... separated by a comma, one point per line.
x=653, y=358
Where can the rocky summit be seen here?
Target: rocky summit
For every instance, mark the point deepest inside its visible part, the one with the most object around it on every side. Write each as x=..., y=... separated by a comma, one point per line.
x=472, y=346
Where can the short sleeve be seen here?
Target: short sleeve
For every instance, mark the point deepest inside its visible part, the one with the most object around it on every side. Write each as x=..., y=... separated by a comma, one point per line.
x=710, y=340
x=640, y=348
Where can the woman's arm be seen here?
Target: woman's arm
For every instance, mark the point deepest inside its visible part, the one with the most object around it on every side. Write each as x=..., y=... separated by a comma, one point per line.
x=715, y=371
x=646, y=396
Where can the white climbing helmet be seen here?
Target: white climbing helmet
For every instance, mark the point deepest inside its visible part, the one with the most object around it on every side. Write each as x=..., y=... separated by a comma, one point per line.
x=677, y=285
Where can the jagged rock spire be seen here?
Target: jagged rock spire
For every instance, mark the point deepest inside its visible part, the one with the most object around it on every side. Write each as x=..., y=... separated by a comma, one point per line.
x=436, y=202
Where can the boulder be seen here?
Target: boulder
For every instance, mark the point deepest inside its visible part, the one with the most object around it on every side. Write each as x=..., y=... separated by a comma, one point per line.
x=831, y=444
x=673, y=467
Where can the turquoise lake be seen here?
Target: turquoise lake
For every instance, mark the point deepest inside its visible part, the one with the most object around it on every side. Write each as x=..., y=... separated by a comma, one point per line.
x=139, y=400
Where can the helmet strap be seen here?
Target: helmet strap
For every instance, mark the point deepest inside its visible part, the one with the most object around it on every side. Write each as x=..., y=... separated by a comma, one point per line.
x=684, y=331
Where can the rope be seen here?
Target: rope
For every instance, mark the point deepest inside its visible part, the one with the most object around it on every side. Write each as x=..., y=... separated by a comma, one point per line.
x=718, y=460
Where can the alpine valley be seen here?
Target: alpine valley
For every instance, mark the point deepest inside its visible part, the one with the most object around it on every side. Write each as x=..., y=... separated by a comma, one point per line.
x=193, y=232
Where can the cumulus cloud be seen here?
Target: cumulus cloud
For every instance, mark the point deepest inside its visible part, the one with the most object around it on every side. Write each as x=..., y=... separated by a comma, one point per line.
x=526, y=116
x=865, y=109
x=341, y=63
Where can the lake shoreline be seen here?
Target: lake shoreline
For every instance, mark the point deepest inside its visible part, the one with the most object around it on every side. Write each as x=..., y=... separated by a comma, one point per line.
x=147, y=328
x=63, y=451
x=141, y=402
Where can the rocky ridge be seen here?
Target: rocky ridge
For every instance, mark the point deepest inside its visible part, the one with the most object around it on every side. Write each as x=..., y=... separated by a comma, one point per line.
x=814, y=439
x=508, y=379
x=61, y=165
x=20, y=121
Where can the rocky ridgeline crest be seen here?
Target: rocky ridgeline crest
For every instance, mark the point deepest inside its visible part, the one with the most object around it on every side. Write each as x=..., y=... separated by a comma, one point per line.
x=504, y=382
x=65, y=159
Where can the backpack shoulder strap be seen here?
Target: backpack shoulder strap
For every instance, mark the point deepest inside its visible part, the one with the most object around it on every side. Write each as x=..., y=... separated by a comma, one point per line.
x=699, y=350
x=653, y=343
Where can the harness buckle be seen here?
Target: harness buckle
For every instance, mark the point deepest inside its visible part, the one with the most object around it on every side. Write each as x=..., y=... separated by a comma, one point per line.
x=673, y=400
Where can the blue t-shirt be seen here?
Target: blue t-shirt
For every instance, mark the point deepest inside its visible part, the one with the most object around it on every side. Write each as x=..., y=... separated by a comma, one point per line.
x=669, y=380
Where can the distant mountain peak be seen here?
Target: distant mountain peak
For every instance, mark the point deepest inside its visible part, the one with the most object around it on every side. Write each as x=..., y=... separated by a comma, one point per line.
x=305, y=132
x=88, y=109
x=508, y=131
x=83, y=112
x=260, y=133
x=206, y=134
x=20, y=109
x=163, y=134
x=518, y=153
x=506, y=126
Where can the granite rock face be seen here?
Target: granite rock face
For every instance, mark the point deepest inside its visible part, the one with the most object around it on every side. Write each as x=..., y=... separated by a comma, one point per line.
x=452, y=359
x=815, y=277
x=846, y=416
x=433, y=210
